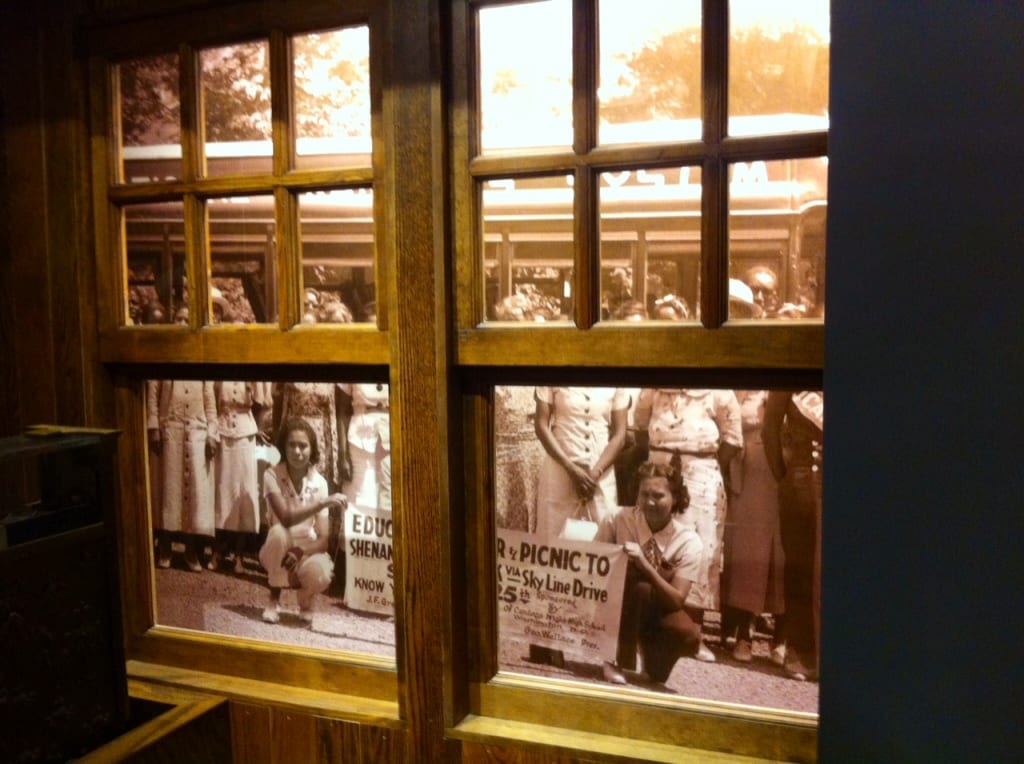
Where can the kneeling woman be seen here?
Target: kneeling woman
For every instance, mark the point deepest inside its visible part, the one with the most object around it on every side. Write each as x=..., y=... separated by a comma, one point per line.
x=664, y=562
x=295, y=552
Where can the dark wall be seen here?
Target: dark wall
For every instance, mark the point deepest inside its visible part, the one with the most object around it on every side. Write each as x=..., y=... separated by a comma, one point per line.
x=922, y=601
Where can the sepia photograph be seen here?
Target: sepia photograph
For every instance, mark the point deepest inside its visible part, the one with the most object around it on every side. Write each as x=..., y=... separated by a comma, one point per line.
x=271, y=511
x=662, y=539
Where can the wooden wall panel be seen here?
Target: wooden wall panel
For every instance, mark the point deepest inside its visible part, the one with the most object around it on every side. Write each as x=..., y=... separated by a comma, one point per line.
x=250, y=733
x=25, y=247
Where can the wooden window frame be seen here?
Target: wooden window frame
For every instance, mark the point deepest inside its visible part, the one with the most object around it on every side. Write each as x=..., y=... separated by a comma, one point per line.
x=716, y=352
x=334, y=683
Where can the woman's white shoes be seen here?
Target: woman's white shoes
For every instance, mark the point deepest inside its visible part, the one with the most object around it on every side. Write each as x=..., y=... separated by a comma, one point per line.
x=612, y=673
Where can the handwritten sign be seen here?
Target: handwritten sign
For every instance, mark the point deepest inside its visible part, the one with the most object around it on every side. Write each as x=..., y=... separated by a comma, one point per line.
x=560, y=593
x=369, y=572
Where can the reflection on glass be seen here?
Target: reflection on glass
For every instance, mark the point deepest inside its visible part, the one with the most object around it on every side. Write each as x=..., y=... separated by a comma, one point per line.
x=150, y=119
x=271, y=511
x=650, y=244
x=777, y=213
x=686, y=487
x=336, y=228
x=778, y=66
x=236, y=109
x=242, y=259
x=528, y=248
x=650, y=69
x=155, y=262
x=525, y=97
x=332, y=98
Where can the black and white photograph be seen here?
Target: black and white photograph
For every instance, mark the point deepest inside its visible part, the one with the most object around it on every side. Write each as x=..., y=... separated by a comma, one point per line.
x=662, y=539
x=271, y=511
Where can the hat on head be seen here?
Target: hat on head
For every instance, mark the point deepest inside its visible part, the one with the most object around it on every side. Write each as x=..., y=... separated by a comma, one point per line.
x=741, y=301
x=761, y=277
x=217, y=298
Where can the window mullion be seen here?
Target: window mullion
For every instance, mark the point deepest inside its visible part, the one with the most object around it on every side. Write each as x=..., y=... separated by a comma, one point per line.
x=715, y=191
x=197, y=261
x=282, y=117
x=587, y=281
x=288, y=256
x=193, y=158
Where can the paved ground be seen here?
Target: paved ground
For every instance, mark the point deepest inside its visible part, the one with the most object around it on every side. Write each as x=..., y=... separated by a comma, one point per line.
x=230, y=604
x=226, y=603
x=758, y=683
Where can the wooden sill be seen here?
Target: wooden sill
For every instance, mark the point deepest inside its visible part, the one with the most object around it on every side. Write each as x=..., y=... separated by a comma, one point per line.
x=573, y=743
x=155, y=682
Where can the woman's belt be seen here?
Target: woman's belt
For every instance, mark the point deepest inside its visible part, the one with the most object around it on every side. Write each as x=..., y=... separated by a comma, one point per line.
x=685, y=452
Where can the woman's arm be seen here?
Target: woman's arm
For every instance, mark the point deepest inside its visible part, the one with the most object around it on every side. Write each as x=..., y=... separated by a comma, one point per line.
x=774, y=415
x=292, y=512
x=616, y=440
x=671, y=596
x=542, y=427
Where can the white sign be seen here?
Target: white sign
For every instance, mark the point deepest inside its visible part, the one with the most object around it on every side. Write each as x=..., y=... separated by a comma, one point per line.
x=561, y=594
x=369, y=571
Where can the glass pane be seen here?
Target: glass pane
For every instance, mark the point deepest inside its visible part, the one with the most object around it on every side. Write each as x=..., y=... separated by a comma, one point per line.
x=575, y=566
x=778, y=66
x=228, y=511
x=236, y=109
x=777, y=214
x=526, y=98
x=338, y=256
x=650, y=68
x=150, y=119
x=332, y=98
x=155, y=256
x=528, y=248
x=650, y=244
x=242, y=259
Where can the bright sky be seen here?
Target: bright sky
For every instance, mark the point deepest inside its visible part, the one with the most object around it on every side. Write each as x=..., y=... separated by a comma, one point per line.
x=533, y=41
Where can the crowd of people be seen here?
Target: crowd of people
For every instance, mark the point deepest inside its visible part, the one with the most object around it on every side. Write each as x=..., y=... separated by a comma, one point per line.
x=714, y=494
x=257, y=472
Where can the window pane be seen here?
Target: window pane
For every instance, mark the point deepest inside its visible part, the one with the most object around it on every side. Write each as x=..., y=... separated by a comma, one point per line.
x=155, y=256
x=650, y=244
x=150, y=119
x=242, y=259
x=338, y=256
x=569, y=598
x=332, y=98
x=650, y=88
x=221, y=511
x=778, y=66
x=777, y=213
x=236, y=109
x=528, y=248
x=526, y=98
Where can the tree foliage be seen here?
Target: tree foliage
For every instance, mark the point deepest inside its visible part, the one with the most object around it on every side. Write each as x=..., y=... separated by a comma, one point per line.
x=770, y=74
x=332, y=93
x=150, y=104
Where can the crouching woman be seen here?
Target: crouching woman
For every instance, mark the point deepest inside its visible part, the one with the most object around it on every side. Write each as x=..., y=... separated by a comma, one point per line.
x=664, y=562
x=295, y=552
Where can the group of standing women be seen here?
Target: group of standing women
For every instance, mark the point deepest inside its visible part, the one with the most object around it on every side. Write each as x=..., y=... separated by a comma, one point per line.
x=212, y=465
x=724, y=493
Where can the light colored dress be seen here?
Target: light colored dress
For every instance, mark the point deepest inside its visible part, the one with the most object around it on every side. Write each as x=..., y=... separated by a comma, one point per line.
x=694, y=424
x=369, y=440
x=316, y=402
x=185, y=415
x=314, y=571
x=580, y=421
x=237, y=493
x=754, y=560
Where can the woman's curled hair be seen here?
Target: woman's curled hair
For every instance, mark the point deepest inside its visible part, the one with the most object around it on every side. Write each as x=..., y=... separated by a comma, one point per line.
x=673, y=474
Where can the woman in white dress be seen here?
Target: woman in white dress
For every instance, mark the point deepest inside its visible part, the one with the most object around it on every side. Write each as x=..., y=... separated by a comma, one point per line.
x=702, y=430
